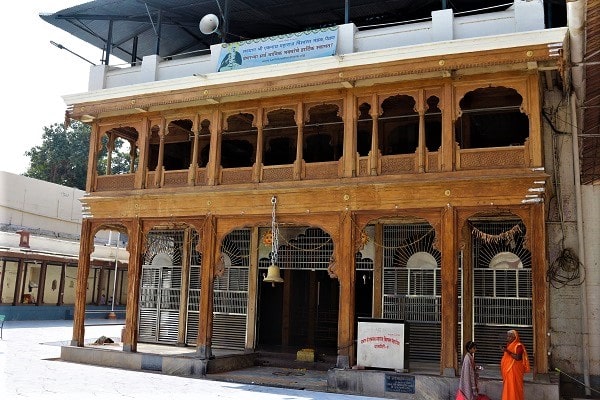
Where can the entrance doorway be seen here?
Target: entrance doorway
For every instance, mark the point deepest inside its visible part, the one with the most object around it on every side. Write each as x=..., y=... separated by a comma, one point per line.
x=301, y=312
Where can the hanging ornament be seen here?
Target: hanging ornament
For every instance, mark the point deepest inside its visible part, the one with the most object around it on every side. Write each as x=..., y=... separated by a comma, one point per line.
x=273, y=274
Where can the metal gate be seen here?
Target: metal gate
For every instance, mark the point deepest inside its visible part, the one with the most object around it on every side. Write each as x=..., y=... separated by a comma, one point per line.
x=230, y=296
x=502, y=286
x=412, y=286
x=160, y=291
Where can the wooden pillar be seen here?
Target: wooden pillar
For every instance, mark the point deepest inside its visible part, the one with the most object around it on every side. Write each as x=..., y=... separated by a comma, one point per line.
x=378, y=274
x=466, y=259
x=537, y=240
x=161, y=153
x=214, y=158
x=18, y=282
x=195, y=145
x=448, y=141
x=299, y=142
x=252, y=313
x=344, y=251
x=258, y=160
x=205, y=321
x=135, y=247
x=109, y=150
x=61, y=285
x=90, y=184
x=449, y=270
x=86, y=248
x=374, y=153
x=132, y=152
x=350, y=118
x=421, y=148
x=536, y=149
x=185, y=285
x=143, y=146
x=41, y=283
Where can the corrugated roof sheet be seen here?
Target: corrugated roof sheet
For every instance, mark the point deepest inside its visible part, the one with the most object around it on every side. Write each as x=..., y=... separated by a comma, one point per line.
x=590, y=133
x=179, y=32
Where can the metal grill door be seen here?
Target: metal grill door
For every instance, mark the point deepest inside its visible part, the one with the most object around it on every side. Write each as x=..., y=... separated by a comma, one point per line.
x=193, y=308
x=159, y=304
x=412, y=286
x=502, y=287
x=148, y=323
x=230, y=296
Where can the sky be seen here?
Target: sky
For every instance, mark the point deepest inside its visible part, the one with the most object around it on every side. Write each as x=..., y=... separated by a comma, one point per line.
x=35, y=75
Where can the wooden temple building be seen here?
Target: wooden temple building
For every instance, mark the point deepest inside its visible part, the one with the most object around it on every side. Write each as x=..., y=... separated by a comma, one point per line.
x=285, y=186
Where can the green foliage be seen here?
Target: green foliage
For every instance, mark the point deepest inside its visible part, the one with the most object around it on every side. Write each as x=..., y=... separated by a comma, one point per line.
x=62, y=156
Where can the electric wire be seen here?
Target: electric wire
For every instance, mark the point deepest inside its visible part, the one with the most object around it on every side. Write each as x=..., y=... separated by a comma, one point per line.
x=565, y=270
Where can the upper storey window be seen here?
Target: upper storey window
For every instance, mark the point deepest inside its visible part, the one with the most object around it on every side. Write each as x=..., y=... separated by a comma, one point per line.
x=204, y=143
x=491, y=117
x=433, y=125
x=323, y=134
x=398, y=126
x=178, y=145
x=364, y=130
x=280, y=137
x=238, y=146
x=119, y=151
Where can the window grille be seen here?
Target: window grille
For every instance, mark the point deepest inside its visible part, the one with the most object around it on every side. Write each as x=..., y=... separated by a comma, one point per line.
x=230, y=296
x=502, y=286
x=412, y=285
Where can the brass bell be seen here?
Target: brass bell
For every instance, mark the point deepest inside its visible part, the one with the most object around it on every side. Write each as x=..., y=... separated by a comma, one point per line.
x=273, y=275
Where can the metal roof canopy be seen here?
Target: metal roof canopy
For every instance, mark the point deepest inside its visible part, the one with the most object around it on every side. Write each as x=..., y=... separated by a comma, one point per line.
x=132, y=29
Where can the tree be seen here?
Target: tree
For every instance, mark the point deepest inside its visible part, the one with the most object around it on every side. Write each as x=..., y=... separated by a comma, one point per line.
x=62, y=157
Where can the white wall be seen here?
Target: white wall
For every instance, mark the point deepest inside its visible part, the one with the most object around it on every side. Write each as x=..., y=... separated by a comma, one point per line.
x=39, y=206
x=591, y=228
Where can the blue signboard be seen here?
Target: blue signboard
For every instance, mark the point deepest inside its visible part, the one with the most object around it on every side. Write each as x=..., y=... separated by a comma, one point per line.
x=278, y=49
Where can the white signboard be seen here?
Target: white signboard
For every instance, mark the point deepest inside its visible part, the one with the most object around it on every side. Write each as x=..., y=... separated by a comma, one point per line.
x=278, y=49
x=380, y=345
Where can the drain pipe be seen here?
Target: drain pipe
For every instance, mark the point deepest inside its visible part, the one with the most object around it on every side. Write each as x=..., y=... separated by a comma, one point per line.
x=575, y=21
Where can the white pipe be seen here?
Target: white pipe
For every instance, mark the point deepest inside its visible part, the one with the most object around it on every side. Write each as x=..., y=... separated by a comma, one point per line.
x=576, y=22
x=585, y=341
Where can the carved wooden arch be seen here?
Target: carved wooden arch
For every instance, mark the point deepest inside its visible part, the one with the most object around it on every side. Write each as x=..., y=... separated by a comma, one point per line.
x=520, y=86
x=199, y=120
x=368, y=100
x=414, y=94
x=267, y=110
x=432, y=217
x=521, y=213
x=123, y=226
x=328, y=223
x=438, y=93
x=106, y=128
x=149, y=224
x=225, y=115
x=339, y=103
x=173, y=119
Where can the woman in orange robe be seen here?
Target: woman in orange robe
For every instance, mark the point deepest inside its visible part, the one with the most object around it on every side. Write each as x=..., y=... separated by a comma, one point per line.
x=514, y=364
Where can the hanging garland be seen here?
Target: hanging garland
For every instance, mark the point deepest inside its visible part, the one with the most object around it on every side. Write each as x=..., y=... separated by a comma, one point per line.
x=505, y=237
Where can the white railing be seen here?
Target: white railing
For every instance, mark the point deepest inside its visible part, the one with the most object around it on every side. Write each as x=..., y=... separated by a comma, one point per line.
x=443, y=25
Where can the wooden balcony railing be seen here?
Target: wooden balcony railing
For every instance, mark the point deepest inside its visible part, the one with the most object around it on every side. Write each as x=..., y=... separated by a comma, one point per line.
x=466, y=159
x=115, y=182
x=493, y=157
